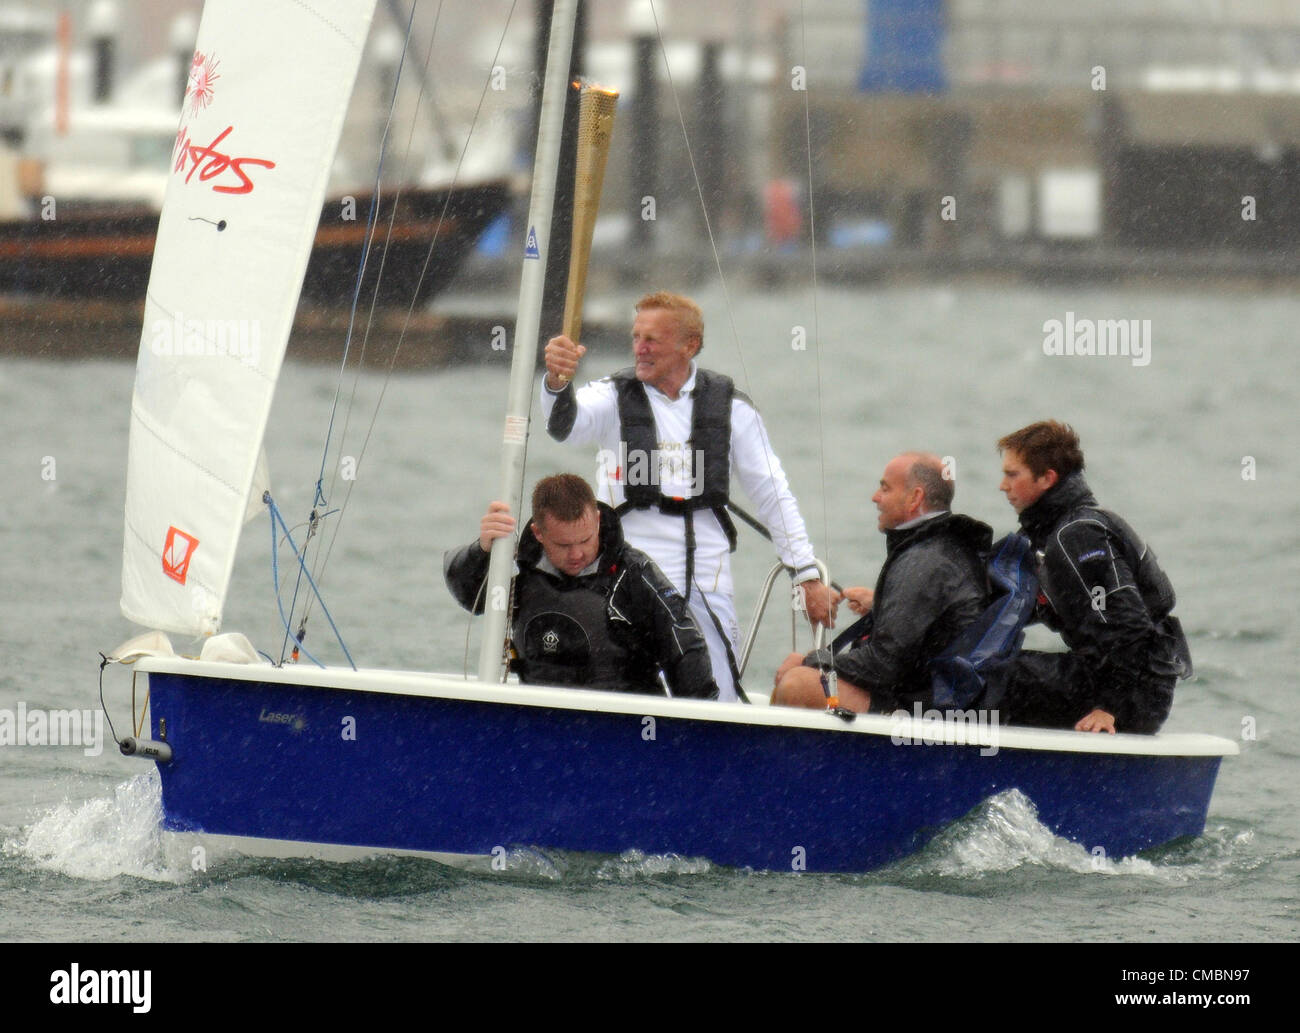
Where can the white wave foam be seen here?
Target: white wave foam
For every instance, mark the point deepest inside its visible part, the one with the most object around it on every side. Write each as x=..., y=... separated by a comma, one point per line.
x=633, y=864
x=528, y=862
x=1004, y=834
x=103, y=838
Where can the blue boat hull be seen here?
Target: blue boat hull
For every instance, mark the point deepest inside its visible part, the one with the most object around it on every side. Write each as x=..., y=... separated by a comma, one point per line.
x=462, y=776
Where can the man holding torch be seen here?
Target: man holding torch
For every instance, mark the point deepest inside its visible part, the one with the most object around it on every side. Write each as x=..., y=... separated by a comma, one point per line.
x=671, y=435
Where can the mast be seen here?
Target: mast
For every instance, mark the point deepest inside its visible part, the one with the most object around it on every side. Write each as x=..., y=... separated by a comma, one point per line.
x=527, y=326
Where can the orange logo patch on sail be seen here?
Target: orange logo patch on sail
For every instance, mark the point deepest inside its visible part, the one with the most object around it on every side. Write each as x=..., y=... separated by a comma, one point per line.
x=177, y=551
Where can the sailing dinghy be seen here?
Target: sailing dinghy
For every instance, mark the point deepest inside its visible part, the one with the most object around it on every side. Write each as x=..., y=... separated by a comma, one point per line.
x=337, y=761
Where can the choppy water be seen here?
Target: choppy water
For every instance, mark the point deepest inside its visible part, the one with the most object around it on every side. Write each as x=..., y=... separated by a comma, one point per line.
x=947, y=369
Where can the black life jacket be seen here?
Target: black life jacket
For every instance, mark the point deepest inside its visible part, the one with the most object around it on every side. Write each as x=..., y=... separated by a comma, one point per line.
x=710, y=435
x=562, y=633
x=1072, y=498
x=1153, y=583
x=1172, y=655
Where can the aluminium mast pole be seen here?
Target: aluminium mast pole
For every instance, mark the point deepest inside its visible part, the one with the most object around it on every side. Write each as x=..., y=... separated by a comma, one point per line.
x=527, y=325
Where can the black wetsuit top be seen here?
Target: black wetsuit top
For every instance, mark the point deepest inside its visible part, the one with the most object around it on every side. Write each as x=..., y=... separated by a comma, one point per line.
x=1106, y=595
x=615, y=628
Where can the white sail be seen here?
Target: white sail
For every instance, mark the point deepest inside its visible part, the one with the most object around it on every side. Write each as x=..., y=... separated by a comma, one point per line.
x=269, y=86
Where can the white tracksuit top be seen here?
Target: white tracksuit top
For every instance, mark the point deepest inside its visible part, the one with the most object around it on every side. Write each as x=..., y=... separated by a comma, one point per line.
x=661, y=535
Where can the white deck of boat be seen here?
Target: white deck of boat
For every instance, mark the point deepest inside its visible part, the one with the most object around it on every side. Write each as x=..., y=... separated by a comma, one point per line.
x=931, y=731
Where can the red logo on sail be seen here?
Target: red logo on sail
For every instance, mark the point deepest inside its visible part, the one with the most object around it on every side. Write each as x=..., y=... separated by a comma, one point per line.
x=198, y=88
x=177, y=551
x=210, y=162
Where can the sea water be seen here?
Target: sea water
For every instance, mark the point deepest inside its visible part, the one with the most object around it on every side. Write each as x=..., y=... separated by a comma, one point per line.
x=1196, y=448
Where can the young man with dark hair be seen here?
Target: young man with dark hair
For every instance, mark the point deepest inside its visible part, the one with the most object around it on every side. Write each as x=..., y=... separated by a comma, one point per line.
x=1100, y=588
x=589, y=610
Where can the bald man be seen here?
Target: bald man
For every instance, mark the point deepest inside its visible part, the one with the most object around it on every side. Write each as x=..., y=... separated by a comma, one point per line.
x=932, y=585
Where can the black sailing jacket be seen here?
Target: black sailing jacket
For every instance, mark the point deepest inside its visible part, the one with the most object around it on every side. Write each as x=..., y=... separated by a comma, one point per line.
x=932, y=585
x=1107, y=596
x=613, y=629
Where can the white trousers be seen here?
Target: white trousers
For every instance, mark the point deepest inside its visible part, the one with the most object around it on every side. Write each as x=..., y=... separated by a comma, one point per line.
x=724, y=609
x=661, y=537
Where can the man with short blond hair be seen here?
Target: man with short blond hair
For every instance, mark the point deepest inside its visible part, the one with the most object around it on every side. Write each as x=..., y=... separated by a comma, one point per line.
x=690, y=318
x=671, y=435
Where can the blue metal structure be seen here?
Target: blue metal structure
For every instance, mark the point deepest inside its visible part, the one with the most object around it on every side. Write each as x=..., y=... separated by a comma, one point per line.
x=904, y=52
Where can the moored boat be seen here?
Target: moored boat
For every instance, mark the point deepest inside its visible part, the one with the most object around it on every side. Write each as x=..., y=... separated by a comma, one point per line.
x=105, y=252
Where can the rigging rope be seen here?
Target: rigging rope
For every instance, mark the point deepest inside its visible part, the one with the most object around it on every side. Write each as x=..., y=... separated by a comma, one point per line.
x=383, y=257
x=410, y=312
x=829, y=679
x=812, y=249
x=717, y=260
x=368, y=242
x=322, y=560
x=319, y=500
x=276, y=518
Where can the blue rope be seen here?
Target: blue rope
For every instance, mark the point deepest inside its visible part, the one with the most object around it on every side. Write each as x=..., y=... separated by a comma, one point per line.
x=316, y=517
x=276, y=518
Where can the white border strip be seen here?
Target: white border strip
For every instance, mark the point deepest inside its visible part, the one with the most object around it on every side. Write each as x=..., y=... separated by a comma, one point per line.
x=220, y=845
x=438, y=686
